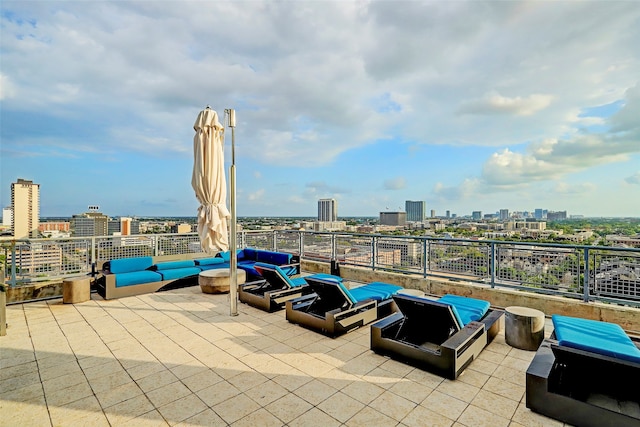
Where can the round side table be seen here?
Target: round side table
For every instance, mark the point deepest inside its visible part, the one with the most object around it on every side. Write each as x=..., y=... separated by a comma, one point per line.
x=216, y=281
x=76, y=289
x=524, y=327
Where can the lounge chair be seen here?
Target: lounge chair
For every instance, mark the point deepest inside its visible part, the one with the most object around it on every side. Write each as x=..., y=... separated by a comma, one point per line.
x=277, y=287
x=586, y=374
x=441, y=336
x=334, y=310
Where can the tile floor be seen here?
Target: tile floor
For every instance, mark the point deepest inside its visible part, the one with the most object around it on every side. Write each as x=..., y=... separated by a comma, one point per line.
x=179, y=358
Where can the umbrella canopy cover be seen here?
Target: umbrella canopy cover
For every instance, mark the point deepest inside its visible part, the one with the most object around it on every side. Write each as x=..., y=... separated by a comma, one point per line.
x=209, y=183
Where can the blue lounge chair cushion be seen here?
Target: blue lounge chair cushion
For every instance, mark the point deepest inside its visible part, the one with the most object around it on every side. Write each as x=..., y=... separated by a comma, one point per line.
x=378, y=291
x=604, y=338
x=466, y=309
x=179, y=273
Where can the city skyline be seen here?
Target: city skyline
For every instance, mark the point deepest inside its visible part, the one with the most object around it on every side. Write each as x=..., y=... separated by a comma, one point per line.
x=468, y=106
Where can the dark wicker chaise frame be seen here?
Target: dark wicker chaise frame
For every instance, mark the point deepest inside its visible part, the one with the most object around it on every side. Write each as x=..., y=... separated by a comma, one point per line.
x=583, y=388
x=426, y=334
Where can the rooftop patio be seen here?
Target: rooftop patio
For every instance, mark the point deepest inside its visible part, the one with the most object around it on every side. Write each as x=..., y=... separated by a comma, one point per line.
x=179, y=358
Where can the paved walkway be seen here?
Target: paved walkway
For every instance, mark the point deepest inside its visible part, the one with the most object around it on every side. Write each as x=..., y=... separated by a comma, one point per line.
x=178, y=358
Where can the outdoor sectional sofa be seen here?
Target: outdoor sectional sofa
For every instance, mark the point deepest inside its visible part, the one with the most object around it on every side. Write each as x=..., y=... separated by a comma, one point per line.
x=140, y=275
x=441, y=336
x=586, y=374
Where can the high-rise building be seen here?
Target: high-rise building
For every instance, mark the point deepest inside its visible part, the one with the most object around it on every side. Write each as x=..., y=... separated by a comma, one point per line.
x=90, y=224
x=327, y=210
x=25, y=209
x=476, y=215
x=557, y=216
x=433, y=213
x=538, y=213
x=504, y=214
x=416, y=210
x=393, y=218
x=447, y=214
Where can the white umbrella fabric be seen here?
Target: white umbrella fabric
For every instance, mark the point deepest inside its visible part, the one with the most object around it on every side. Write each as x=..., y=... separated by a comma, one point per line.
x=209, y=183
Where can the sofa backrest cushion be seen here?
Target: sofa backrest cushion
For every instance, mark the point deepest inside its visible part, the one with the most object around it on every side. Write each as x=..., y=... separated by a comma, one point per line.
x=226, y=256
x=171, y=265
x=275, y=258
x=209, y=261
x=128, y=265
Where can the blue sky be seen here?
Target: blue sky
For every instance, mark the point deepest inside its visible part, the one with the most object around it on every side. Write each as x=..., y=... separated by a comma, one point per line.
x=465, y=105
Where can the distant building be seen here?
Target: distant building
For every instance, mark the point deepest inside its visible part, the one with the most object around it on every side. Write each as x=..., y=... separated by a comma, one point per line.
x=476, y=215
x=7, y=217
x=25, y=208
x=504, y=214
x=329, y=225
x=433, y=213
x=327, y=210
x=556, y=216
x=90, y=224
x=181, y=228
x=416, y=210
x=393, y=218
x=447, y=214
x=54, y=226
x=539, y=213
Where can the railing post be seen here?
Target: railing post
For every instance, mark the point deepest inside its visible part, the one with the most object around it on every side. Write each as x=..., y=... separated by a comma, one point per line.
x=300, y=243
x=275, y=240
x=334, y=249
x=492, y=264
x=373, y=252
x=155, y=245
x=425, y=257
x=587, y=274
x=12, y=282
x=93, y=256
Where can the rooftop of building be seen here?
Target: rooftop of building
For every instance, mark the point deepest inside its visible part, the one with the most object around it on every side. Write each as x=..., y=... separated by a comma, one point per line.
x=179, y=358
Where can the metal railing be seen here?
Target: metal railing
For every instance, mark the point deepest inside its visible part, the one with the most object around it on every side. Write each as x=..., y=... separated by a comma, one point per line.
x=585, y=272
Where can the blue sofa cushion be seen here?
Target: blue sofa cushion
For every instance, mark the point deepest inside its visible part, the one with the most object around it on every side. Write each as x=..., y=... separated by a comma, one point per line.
x=466, y=309
x=276, y=258
x=209, y=261
x=604, y=338
x=226, y=256
x=128, y=265
x=170, y=265
x=376, y=290
x=179, y=273
x=137, y=278
x=248, y=267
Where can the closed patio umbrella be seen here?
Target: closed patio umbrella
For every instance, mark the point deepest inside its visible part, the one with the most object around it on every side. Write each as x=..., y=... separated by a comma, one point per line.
x=209, y=183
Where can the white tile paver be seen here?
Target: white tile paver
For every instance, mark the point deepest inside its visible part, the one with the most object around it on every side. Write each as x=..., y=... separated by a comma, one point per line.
x=178, y=358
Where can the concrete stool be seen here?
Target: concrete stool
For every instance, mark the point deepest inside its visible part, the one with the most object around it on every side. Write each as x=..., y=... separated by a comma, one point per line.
x=216, y=281
x=76, y=289
x=524, y=327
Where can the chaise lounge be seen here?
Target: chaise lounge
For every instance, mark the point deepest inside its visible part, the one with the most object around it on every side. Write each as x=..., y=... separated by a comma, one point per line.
x=587, y=374
x=441, y=336
x=277, y=288
x=333, y=310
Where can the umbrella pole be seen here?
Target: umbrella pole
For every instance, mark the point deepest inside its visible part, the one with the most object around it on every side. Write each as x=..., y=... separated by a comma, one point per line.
x=233, y=280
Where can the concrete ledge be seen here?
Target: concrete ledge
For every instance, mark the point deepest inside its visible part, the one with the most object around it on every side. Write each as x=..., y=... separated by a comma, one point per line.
x=627, y=317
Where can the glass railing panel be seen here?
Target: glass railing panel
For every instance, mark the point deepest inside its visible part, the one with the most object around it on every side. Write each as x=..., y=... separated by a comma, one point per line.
x=540, y=267
x=354, y=249
x=400, y=254
x=467, y=259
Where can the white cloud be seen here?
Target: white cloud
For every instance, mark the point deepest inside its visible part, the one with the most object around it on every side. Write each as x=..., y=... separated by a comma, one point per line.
x=498, y=104
x=256, y=195
x=633, y=179
x=397, y=183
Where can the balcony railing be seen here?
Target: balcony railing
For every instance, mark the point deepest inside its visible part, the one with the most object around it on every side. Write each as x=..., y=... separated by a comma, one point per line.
x=585, y=272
